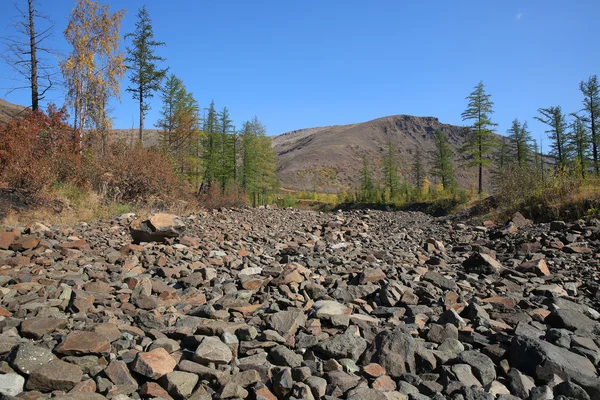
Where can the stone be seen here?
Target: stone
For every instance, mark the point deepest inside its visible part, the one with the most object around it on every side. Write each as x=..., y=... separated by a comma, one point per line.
x=154, y=364
x=11, y=384
x=342, y=346
x=55, y=375
x=156, y=228
x=27, y=358
x=482, y=263
x=394, y=351
x=482, y=366
x=281, y=355
x=82, y=343
x=329, y=307
x=37, y=327
x=180, y=384
x=212, y=350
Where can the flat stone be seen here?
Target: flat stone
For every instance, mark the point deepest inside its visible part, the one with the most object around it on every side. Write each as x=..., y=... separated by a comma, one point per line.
x=82, y=342
x=154, y=364
x=37, y=327
x=55, y=375
x=29, y=357
x=330, y=307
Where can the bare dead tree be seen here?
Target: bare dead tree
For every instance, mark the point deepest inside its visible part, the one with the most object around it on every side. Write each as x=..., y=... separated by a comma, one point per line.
x=26, y=53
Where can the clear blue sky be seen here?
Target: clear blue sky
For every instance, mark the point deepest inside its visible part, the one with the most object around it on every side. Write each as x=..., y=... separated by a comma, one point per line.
x=298, y=64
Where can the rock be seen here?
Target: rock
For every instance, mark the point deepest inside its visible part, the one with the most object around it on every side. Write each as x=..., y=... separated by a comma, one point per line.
x=82, y=343
x=55, y=375
x=212, y=350
x=342, y=346
x=328, y=308
x=543, y=360
x=538, y=267
x=27, y=358
x=156, y=228
x=394, y=351
x=154, y=364
x=180, y=384
x=37, y=327
x=281, y=355
x=482, y=366
x=482, y=263
x=11, y=384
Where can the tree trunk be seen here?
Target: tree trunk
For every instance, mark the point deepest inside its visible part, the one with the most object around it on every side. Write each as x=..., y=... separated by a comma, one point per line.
x=33, y=54
x=141, y=117
x=594, y=143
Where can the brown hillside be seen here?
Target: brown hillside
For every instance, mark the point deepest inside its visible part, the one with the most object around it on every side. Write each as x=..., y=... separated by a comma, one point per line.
x=330, y=158
x=9, y=111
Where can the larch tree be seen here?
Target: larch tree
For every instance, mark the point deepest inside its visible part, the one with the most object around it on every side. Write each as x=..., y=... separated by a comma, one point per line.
x=171, y=95
x=367, y=185
x=579, y=144
x=481, y=141
x=210, y=148
x=27, y=53
x=226, y=161
x=557, y=132
x=258, y=164
x=591, y=106
x=442, y=160
x=390, y=170
x=520, y=143
x=141, y=61
x=418, y=169
x=95, y=66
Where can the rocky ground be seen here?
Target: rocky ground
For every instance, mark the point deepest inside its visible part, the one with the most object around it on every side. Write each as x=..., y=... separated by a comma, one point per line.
x=267, y=304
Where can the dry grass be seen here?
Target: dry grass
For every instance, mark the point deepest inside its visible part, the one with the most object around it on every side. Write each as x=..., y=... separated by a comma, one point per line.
x=67, y=205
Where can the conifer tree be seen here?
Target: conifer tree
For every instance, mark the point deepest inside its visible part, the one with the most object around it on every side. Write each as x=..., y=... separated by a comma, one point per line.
x=367, y=186
x=210, y=155
x=481, y=141
x=520, y=143
x=442, y=160
x=259, y=166
x=146, y=76
x=591, y=106
x=390, y=170
x=556, y=121
x=418, y=169
x=171, y=95
x=226, y=161
x=579, y=144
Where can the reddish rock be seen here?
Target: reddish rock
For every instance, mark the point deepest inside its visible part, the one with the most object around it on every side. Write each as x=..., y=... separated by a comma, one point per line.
x=82, y=343
x=154, y=364
x=39, y=326
x=538, y=267
x=153, y=390
x=6, y=239
x=374, y=370
x=24, y=243
x=80, y=245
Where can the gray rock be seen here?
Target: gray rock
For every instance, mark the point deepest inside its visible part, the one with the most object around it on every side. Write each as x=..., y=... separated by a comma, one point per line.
x=11, y=384
x=393, y=350
x=342, y=346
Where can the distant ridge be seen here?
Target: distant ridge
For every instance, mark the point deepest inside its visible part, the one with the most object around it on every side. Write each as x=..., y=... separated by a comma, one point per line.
x=330, y=158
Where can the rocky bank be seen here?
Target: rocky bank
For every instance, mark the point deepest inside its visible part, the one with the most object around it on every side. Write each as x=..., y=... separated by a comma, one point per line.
x=281, y=304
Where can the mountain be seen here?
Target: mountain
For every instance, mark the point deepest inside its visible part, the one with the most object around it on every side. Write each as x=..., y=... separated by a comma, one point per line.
x=330, y=158
x=9, y=111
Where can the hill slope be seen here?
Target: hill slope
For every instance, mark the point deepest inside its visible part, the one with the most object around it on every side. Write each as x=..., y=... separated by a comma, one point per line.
x=9, y=110
x=330, y=158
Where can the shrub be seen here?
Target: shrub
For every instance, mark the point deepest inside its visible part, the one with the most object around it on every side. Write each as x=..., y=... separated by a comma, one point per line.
x=38, y=150
x=132, y=174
